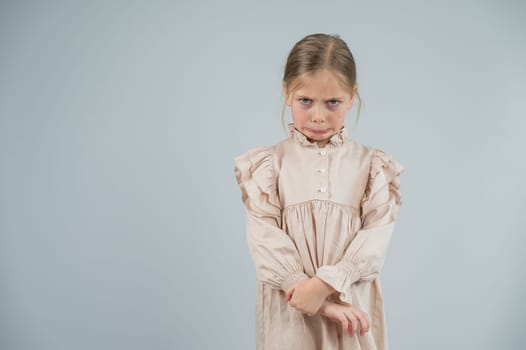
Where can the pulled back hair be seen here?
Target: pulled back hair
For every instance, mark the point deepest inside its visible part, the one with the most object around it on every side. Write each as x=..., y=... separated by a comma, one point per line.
x=317, y=52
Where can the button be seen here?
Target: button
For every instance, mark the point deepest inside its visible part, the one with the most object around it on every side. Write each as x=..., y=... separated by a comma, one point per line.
x=322, y=170
x=322, y=189
x=323, y=152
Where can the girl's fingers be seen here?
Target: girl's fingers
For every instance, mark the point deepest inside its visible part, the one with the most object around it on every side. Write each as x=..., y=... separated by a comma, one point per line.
x=364, y=322
x=356, y=324
x=353, y=324
x=345, y=324
x=351, y=319
x=288, y=294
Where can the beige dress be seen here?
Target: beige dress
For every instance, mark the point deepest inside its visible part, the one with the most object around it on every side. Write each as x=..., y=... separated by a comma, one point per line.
x=318, y=211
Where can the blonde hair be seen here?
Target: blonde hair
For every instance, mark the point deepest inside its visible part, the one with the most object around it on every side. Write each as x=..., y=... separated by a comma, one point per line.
x=316, y=52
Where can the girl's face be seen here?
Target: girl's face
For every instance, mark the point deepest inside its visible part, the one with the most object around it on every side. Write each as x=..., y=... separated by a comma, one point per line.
x=319, y=106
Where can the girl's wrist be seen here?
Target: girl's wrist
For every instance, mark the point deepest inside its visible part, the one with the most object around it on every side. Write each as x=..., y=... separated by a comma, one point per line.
x=323, y=309
x=325, y=288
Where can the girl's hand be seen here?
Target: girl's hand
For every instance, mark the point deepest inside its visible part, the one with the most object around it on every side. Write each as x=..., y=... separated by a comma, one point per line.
x=348, y=316
x=308, y=295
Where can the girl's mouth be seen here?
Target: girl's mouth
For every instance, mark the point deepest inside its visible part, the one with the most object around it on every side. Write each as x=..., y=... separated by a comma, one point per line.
x=319, y=132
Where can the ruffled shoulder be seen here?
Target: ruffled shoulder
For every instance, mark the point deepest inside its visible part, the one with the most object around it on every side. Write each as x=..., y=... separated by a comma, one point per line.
x=384, y=171
x=255, y=175
x=381, y=161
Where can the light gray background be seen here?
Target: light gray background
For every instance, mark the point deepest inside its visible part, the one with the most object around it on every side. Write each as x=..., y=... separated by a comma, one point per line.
x=121, y=223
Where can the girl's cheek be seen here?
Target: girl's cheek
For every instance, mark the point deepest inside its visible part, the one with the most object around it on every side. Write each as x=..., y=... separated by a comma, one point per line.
x=300, y=112
x=338, y=113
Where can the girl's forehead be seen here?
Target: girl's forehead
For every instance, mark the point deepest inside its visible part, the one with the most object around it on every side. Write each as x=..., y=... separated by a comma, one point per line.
x=322, y=90
x=321, y=83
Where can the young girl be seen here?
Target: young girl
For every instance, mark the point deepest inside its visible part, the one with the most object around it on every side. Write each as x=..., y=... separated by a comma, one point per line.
x=321, y=208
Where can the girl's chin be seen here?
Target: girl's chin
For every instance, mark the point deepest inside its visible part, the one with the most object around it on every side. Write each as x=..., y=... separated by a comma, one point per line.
x=316, y=138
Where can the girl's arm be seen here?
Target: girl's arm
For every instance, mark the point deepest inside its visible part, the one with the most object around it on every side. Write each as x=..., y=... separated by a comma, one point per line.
x=274, y=254
x=364, y=257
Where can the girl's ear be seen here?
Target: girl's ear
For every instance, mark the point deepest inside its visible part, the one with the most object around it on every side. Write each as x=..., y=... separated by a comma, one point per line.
x=285, y=94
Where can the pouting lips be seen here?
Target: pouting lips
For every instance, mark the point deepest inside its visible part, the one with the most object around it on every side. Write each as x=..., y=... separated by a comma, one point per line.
x=315, y=131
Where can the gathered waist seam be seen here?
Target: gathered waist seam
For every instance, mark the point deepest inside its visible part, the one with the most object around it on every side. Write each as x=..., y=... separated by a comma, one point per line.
x=354, y=209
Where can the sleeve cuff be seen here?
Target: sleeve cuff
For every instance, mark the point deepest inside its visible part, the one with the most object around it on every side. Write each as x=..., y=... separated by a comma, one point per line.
x=339, y=279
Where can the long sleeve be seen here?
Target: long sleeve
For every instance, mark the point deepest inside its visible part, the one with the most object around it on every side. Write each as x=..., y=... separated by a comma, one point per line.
x=274, y=254
x=363, y=259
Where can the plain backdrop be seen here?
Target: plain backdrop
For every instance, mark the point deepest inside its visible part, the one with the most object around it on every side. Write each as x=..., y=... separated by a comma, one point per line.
x=121, y=223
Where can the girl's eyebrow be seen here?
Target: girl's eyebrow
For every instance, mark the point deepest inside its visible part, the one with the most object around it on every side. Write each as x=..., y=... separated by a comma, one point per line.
x=329, y=99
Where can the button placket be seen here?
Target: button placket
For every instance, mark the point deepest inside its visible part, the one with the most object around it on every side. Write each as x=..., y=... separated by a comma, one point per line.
x=323, y=188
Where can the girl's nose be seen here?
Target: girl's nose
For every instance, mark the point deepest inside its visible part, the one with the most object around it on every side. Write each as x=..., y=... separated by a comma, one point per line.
x=318, y=115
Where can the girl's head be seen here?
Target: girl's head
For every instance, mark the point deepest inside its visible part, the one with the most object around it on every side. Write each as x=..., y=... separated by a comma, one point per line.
x=319, y=84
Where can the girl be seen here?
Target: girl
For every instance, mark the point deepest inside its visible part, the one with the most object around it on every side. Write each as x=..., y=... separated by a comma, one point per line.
x=321, y=209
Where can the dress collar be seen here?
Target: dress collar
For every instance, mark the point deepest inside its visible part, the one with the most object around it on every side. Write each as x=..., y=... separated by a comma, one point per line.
x=337, y=139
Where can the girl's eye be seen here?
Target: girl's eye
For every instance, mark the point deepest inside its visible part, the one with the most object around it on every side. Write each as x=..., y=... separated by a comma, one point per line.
x=304, y=100
x=334, y=103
